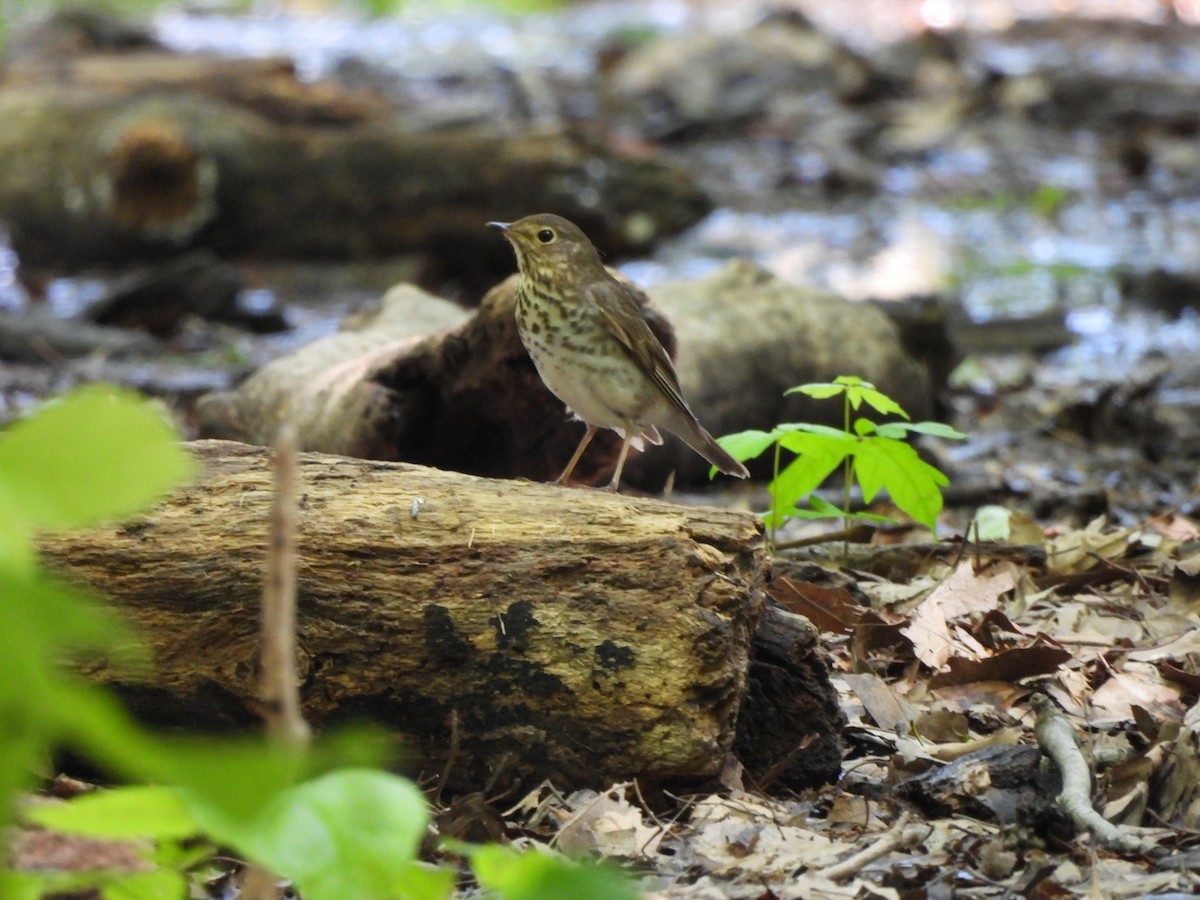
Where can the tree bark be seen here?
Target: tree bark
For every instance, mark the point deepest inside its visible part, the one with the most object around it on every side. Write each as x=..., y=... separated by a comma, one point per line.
x=543, y=632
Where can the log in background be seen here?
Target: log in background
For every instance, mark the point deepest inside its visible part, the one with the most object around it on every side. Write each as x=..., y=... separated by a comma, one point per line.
x=574, y=634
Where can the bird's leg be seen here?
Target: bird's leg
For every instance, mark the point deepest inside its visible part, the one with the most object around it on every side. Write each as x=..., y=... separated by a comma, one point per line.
x=587, y=439
x=616, y=479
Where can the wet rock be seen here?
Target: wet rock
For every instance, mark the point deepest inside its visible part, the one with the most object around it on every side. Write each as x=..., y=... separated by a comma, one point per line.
x=710, y=82
x=746, y=336
x=40, y=337
x=72, y=31
x=159, y=298
x=1163, y=289
x=1097, y=74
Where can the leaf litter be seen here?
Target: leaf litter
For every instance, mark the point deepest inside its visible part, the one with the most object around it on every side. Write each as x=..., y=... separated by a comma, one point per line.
x=946, y=789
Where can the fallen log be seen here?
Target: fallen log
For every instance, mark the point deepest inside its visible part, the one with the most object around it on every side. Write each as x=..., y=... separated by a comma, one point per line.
x=542, y=632
x=111, y=158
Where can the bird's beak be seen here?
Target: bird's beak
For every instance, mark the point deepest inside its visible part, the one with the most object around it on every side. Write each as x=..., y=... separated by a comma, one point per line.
x=499, y=226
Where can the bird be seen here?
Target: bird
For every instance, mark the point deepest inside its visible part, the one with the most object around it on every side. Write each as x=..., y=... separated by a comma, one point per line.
x=590, y=343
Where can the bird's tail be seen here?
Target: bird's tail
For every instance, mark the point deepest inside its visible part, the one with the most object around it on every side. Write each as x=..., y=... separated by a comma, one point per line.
x=693, y=433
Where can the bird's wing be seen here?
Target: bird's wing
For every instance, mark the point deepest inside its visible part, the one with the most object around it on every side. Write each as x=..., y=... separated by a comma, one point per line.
x=624, y=319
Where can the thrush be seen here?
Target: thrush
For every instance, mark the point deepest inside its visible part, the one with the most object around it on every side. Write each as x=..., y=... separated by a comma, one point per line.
x=591, y=345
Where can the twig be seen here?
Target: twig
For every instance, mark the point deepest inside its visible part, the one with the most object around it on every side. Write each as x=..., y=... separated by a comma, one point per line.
x=857, y=533
x=451, y=758
x=279, y=684
x=899, y=836
x=1056, y=738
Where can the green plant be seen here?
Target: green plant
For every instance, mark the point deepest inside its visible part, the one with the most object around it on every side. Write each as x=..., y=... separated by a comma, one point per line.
x=875, y=455
x=317, y=814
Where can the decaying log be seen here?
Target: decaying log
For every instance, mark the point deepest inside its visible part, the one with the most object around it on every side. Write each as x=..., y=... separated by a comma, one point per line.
x=790, y=728
x=107, y=158
x=573, y=634
x=469, y=399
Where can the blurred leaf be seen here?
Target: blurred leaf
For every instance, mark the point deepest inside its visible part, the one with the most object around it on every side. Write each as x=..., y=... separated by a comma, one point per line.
x=900, y=430
x=540, y=876
x=1048, y=199
x=20, y=885
x=746, y=445
x=124, y=812
x=991, y=523
x=823, y=509
x=98, y=453
x=349, y=835
x=156, y=885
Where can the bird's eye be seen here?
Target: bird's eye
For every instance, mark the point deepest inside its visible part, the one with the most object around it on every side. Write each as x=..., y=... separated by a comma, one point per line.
x=546, y=236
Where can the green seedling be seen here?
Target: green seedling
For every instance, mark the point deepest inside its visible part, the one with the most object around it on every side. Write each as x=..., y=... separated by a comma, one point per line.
x=875, y=455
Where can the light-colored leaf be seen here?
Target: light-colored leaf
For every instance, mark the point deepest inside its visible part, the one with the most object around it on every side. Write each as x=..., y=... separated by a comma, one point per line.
x=818, y=458
x=155, y=885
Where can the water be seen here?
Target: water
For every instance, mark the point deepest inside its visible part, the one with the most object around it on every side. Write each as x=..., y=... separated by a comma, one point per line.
x=942, y=224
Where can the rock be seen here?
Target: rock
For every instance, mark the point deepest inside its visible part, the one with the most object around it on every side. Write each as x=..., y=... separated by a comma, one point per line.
x=341, y=392
x=159, y=298
x=1162, y=289
x=746, y=336
x=703, y=81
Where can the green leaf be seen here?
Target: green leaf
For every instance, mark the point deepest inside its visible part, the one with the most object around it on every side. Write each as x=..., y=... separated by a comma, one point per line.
x=746, y=445
x=21, y=886
x=226, y=785
x=820, y=509
x=42, y=623
x=877, y=400
x=913, y=484
x=900, y=430
x=98, y=453
x=42, y=618
x=94, y=723
x=349, y=835
x=819, y=456
x=155, y=885
x=125, y=812
x=540, y=876
x=152, y=885
x=823, y=509
x=21, y=750
x=17, y=553
x=817, y=390
x=834, y=434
